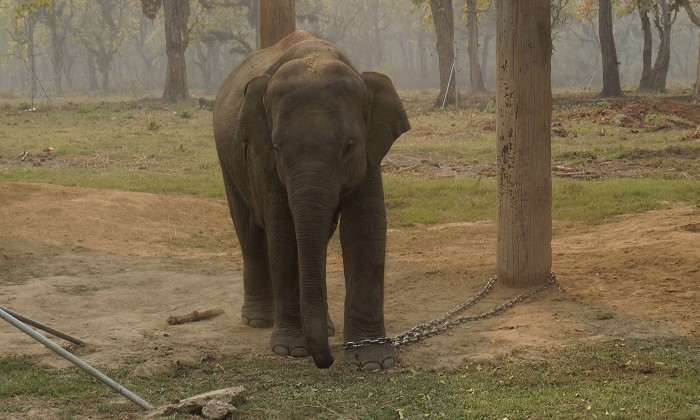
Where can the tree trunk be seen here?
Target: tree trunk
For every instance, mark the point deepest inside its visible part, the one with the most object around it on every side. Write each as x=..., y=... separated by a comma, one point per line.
x=68, y=63
x=176, y=13
x=611, y=73
x=475, y=77
x=145, y=28
x=485, y=55
x=58, y=38
x=443, y=17
x=92, y=72
x=105, y=79
x=32, y=61
x=276, y=19
x=645, y=83
x=695, y=98
x=57, y=63
x=663, y=55
x=422, y=55
x=524, y=112
x=203, y=65
x=376, y=40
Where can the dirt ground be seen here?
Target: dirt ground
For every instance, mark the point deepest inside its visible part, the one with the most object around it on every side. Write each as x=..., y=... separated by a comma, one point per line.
x=110, y=267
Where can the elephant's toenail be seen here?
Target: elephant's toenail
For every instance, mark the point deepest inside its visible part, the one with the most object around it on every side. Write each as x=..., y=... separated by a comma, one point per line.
x=388, y=363
x=371, y=366
x=281, y=350
x=299, y=352
x=258, y=323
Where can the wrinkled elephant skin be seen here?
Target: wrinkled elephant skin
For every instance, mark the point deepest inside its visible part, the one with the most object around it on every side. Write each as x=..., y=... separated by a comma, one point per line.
x=300, y=135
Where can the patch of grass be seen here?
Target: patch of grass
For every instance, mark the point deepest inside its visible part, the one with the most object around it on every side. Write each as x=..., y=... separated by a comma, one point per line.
x=688, y=152
x=206, y=184
x=414, y=200
x=62, y=392
x=153, y=125
x=114, y=148
x=633, y=379
x=596, y=201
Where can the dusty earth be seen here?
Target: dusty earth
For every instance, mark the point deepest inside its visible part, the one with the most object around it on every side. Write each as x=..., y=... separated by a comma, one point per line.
x=110, y=267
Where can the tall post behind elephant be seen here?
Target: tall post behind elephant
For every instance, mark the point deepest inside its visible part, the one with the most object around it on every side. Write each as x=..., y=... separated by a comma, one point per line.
x=276, y=19
x=300, y=135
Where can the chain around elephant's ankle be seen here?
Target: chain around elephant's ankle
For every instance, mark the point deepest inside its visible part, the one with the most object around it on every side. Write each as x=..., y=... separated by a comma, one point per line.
x=367, y=342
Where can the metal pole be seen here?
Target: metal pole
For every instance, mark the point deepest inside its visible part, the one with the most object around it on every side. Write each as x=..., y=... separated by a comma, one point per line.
x=43, y=327
x=76, y=361
x=449, y=81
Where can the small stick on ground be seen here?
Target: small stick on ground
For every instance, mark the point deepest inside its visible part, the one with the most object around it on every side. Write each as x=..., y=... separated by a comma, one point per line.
x=195, y=316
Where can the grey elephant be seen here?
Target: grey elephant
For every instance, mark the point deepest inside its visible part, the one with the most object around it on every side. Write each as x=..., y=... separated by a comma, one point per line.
x=300, y=135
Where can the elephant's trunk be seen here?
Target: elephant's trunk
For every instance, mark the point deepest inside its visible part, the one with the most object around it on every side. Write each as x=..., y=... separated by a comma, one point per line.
x=313, y=198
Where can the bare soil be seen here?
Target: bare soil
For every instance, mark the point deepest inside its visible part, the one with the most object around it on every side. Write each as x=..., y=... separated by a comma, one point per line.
x=110, y=267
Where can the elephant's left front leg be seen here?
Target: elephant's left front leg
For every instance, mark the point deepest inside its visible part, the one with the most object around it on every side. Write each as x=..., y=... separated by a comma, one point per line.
x=363, y=237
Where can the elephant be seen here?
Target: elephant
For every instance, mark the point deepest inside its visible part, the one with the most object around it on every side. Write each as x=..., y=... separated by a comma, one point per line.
x=300, y=135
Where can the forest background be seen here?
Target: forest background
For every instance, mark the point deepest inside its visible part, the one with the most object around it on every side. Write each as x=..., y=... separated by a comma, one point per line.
x=119, y=47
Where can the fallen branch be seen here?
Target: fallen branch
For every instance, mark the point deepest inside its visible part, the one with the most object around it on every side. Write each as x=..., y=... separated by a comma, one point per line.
x=195, y=316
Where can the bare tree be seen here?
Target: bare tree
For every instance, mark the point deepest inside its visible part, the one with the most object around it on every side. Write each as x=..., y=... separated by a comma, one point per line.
x=176, y=14
x=443, y=18
x=560, y=16
x=611, y=73
x=475, y=77
x=103, y=27
x=58, y=19
x=664, y=14
x=695, y=98
x=646, y=82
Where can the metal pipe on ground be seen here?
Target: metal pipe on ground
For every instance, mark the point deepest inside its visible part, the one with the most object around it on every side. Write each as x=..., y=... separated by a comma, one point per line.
x=43, y=327
x=76, y=361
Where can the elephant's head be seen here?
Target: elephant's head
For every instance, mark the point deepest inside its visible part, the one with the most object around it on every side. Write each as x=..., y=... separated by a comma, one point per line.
x=318, y=125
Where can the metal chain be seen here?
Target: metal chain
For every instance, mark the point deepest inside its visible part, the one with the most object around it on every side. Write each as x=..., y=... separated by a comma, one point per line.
x=444, y=323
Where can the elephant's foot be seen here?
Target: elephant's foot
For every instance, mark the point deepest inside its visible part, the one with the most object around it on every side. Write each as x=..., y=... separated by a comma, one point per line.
x=288, y=342
x=372, y=357
x=258, y=314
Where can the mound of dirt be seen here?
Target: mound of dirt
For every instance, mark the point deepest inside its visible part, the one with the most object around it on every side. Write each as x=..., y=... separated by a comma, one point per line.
x=110, y=267
x=651, y=114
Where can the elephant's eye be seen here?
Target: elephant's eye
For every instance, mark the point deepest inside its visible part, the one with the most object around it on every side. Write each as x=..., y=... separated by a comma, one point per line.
x=349, y=146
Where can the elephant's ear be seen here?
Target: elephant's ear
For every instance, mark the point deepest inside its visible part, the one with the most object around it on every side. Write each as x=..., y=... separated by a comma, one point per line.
x=253, y=124
x=386, y=117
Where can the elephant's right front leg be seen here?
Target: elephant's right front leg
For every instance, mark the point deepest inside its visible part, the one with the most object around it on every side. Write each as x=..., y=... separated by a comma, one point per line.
x=287, y=336
x=257, y=311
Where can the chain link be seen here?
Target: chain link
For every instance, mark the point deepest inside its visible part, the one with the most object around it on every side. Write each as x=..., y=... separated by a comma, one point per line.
x=445, y=322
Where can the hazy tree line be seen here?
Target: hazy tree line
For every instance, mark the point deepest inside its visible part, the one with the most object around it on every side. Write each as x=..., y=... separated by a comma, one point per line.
x=146, y=47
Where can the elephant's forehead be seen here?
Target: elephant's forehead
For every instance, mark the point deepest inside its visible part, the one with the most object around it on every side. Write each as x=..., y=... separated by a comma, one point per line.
x=315, y=74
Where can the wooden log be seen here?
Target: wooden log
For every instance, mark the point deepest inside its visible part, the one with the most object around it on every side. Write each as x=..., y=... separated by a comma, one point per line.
x=195, y=316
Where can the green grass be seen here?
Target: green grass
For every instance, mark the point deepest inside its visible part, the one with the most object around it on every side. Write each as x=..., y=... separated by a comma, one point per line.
x=596, y=201
x=418, y=200
x=169, y=149
x=638, y=379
